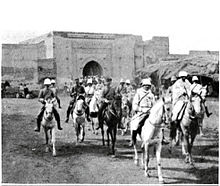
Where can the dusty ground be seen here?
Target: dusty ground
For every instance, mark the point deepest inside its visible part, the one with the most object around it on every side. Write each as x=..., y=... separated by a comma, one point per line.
x=24, y=159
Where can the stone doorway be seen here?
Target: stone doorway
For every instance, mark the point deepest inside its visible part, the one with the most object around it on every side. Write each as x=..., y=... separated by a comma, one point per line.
x=92, y=68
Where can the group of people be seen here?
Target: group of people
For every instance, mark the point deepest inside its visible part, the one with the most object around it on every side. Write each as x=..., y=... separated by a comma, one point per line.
x=143, y=100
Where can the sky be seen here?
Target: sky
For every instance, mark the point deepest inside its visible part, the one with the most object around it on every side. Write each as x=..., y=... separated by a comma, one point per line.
x=189, y=24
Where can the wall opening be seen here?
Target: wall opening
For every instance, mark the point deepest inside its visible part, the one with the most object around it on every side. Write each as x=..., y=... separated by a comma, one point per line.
x=92, y=68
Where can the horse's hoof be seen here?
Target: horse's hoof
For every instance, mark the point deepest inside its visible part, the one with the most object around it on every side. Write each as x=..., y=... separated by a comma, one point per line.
x=113, y=156
x=136, y=161
x=161, y=181
x=47, y=149
x=54, y=154
x=186, y=160
x=146, y=174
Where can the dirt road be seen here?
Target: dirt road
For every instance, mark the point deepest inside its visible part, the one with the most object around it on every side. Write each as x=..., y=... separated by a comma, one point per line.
x=24, y=159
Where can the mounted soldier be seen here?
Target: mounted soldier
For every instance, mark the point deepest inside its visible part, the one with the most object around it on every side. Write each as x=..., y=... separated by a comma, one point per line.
x=45, y=94
x=196, y=89
x=107, y=95
x=75, y=92
x=121, y=89
x=181, y=93
x=55, y=91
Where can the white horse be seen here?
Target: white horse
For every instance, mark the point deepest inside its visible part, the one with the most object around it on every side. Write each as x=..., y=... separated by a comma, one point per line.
x=79, y=119
x=151, y=134
x=125, y=113
x=199, y=108
x=48, y=123
x=94, y=109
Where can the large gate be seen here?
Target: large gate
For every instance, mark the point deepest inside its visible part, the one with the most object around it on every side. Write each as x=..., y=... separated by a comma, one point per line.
x=92, y=68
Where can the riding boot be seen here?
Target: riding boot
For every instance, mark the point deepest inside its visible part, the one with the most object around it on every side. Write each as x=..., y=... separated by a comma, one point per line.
x=87, y=114
x=37, y=129
x=57, y=117
x=68, y=113
x=58, y=101
x=207, y=112
x=39, y=119
x=102, y=107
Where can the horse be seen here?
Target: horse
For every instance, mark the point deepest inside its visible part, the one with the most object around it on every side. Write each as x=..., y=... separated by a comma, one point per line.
x=79, y=118
x=151, y=134
x=125, y=106
x=199, y=107
x=48, y=124
x=111, y=117
x=94, y=108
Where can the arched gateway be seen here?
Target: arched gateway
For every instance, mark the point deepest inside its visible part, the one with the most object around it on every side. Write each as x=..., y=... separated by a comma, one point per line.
x=92, y=68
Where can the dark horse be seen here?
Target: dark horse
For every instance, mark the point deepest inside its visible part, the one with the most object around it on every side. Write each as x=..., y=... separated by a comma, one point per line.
x=111, y=117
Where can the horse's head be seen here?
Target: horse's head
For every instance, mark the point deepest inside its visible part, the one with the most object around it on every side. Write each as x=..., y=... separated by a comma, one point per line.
x=48, y=114
x=116, y=104
x=80, y=106
x=124, y=102
x=166, y=114
x=197, y=100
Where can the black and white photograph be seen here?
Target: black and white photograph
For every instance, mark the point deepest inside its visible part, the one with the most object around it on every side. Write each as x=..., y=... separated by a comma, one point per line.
x=109, y=92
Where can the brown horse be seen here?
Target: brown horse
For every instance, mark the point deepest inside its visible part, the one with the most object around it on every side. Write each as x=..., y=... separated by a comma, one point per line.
x=111, y=117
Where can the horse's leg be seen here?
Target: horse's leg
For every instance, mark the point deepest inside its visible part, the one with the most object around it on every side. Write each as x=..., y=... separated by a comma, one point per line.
x=53, y=138
x=143, y=155
x=47, y=140
x=122, y=130
x=158, y=155
x=200, y=122
x=134, y=140
x=193, y=136
x=113, y=142
x=107, y=134
x=77, y=132
x=146, y=159
x=92, y=123
x=83, y=132
x=114, y=139
x=186, y=143
x=103, y=138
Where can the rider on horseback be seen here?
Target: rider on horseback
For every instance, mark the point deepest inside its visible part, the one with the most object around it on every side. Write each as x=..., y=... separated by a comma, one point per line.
x=180, y=94
x=107, y=96
x=89, y=90
x=55, y=91
x=196, y=89
x=45, y=94
x=75, y=92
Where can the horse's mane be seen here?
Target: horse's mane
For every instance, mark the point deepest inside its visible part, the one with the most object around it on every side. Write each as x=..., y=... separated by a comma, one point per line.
x=157, y=106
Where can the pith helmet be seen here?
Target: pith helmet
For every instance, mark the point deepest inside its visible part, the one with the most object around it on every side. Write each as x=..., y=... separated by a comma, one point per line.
x=108, y=79
x=47, y=81
x=128, y=81
x=89, y=81
x=195, y=78
x=183, y=74
x=53, y=81
x=122, y=81
x=146, y=81
x=173, y=78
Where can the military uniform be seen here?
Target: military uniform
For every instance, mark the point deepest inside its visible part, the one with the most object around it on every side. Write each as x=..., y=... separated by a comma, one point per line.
x=180, y=94
x=45, y=94
x=75, y=92
x=142, y=103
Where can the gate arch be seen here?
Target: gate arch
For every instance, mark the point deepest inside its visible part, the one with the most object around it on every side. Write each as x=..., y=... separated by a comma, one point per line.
x=92, y=68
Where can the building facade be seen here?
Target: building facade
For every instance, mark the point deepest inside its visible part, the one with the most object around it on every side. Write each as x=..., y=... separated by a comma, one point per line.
x=67, y=55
